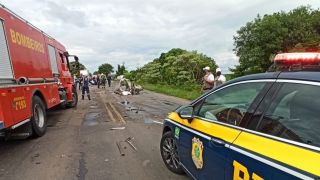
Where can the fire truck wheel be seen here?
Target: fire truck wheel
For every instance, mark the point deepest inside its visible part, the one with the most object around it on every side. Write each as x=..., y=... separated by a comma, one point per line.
x=39, y=117
x=74, y=100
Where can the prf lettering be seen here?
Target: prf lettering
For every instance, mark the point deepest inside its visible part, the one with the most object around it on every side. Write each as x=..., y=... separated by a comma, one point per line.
x=25, y=41
x=240, y=172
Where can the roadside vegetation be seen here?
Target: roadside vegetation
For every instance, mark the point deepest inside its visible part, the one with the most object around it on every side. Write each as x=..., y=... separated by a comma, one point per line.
x=177, y=72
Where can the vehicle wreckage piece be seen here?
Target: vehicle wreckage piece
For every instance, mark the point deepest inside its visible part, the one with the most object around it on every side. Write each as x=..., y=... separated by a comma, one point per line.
x=126, y=87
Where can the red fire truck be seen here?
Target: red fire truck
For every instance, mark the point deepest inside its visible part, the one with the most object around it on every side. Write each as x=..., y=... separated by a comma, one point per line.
x=34, y=75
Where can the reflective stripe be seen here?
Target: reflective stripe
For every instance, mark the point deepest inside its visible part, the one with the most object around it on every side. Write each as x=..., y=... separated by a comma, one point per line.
x=20, y=123
x=23, y=85
x=299, y=82
x=282, y=139
x=188, y=129
x=225, y=133
x=270, y=163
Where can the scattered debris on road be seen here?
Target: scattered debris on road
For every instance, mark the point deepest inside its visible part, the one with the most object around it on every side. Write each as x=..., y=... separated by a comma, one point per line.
x=158, y=122
x=136, y=109
x=120, y=148
x=129, y=141
x=125, y=102
x=118, y=128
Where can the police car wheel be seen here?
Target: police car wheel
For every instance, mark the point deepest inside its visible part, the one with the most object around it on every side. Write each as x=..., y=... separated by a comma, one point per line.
x=169, y=153
x=39, y=117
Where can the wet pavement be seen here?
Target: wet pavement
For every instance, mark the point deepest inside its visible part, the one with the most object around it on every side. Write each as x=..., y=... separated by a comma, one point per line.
x=81, y=143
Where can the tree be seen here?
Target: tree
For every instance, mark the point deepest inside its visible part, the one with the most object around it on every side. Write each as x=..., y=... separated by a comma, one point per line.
x=176, y=67
x=73, y=69
x=121, y=70
x=105, y=68
x=258, y=41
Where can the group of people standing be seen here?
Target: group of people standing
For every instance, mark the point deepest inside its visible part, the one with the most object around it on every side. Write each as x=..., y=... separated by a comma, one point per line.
x=209, y=81
x=84, y=82
x=102, y=78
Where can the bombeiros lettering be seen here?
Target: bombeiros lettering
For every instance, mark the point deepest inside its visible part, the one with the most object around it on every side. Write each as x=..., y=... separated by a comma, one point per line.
x=25, y=41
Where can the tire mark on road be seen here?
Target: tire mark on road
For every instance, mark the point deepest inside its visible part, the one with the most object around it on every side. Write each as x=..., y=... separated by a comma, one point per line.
x=106, y=106
x=112, y=111
x=118, y=114
x=109, y=112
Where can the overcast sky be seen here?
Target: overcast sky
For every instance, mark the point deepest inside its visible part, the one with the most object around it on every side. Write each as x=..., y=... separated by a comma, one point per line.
x=137, y=31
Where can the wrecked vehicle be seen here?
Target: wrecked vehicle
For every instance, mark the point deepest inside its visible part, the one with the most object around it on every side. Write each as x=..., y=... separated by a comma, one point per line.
x=126, y=87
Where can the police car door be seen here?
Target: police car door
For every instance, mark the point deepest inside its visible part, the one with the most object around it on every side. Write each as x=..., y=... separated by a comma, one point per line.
x=281, y=141
x=204, y=145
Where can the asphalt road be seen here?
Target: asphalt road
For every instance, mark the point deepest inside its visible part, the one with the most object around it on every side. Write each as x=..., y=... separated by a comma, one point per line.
x=79, y=143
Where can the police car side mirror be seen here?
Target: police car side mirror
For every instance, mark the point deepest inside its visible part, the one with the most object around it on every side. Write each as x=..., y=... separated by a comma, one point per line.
x=186, y=112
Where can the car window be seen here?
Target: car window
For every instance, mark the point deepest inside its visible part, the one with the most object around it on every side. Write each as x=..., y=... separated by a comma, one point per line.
x=294, y=114
x=230, y=104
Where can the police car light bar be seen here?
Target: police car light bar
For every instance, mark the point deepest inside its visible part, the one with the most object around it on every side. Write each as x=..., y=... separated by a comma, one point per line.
x=297, y=58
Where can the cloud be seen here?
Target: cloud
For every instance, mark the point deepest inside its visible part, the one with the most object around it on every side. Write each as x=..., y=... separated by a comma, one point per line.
x=137, y=31
x=61, y=15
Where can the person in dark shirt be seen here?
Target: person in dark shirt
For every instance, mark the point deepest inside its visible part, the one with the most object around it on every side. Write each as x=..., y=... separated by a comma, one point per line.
x=109, y=79
x=80, y=82
x=85, y=87
x=98, y=80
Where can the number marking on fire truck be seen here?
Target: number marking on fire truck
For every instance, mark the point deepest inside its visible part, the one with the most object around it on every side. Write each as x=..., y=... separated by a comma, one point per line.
x=19, y=103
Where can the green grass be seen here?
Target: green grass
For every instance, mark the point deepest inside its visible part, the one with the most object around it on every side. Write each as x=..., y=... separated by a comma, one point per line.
x=186, y=92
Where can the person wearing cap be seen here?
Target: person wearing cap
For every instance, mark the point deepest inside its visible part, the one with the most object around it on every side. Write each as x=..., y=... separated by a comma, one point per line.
x=220, y=79
x=208, y=80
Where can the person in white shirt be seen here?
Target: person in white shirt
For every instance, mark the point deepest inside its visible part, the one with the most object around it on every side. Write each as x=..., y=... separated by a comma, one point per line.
x=220, y=79
x=208, y=80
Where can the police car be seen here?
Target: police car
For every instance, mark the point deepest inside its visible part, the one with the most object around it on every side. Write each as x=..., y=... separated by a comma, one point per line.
x=262, y=126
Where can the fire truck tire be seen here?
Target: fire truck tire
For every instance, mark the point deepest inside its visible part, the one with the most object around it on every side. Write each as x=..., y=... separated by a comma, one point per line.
x=74, y=100
x=39, y=117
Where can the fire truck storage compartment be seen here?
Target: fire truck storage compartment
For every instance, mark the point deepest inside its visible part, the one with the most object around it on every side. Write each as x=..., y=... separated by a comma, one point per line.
x=5, y=64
